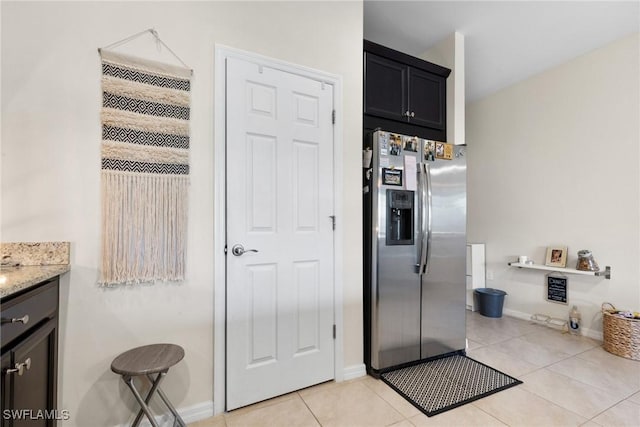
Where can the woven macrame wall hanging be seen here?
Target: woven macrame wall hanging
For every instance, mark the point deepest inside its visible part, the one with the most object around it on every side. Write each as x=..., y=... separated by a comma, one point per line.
x=145, y=169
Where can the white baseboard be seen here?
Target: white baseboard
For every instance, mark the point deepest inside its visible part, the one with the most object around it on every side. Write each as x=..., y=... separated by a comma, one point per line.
x=197, y=412
x=589, y=333
x=190, y=414
x=516, y=314
x=206, y=409
x=354, y=371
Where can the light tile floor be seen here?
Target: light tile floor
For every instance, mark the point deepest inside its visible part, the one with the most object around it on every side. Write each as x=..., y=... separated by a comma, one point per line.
x=568, y=381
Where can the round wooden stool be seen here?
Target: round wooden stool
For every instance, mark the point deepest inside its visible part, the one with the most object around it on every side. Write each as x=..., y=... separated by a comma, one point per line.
x=147, y=361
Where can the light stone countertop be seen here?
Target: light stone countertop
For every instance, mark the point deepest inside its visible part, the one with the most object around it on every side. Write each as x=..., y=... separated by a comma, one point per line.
x=37, y=262
x=15, y=279
x=35, y=253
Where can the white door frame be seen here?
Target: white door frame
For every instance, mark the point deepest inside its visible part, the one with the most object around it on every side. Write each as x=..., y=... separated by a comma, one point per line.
x=220, y=226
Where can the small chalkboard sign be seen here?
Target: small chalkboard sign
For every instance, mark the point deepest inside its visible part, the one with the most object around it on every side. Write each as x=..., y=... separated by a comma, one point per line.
x=557, y=288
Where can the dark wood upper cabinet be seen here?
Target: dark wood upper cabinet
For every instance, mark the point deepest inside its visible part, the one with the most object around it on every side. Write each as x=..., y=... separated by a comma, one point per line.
x=403, y=88
x=386, y=92
x=427, y=100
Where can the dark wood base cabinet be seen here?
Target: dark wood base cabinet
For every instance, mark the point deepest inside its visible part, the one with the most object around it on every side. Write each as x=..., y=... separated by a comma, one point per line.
x=29, y=357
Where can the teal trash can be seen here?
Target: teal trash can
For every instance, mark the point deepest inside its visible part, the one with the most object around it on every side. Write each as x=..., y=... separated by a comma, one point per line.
x=489, y=301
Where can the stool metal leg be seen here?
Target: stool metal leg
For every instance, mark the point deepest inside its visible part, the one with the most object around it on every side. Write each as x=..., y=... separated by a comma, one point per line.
x=166, y=401
x=155, y=383
x=143, y=403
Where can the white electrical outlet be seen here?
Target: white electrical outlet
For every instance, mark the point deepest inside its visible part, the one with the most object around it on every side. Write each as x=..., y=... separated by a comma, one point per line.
x=489, y=274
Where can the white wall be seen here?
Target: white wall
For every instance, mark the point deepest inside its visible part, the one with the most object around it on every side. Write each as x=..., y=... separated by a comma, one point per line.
x=554, y=160
x=450, y=53
x=51, y=172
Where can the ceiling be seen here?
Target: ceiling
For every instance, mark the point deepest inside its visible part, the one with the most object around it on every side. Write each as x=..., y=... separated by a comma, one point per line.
x=505, y=41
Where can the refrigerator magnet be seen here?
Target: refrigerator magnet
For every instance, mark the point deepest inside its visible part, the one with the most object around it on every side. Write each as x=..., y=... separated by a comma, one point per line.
x=410, y=143
x=448, y=152
x=392, y=177
x=429, y=150
x=384, y=144
x=395, y=145
x=444, y=151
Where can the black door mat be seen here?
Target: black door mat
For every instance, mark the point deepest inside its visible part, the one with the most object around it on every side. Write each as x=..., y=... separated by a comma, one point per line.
x=440, y=385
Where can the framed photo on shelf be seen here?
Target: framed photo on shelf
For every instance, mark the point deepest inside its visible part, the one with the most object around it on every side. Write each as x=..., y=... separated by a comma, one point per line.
x=556, y=256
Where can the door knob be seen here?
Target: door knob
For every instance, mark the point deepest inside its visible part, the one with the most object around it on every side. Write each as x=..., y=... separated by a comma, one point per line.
x=239, y=250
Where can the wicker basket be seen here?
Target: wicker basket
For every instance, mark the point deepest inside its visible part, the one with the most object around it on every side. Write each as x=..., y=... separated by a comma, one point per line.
x=621, y=335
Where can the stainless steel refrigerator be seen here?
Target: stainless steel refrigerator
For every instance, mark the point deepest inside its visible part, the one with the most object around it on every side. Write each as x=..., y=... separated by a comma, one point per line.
x=415, y=236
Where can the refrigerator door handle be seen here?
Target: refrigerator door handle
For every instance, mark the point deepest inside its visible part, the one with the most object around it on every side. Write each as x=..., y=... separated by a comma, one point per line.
x=422, y=197
x=426, y=219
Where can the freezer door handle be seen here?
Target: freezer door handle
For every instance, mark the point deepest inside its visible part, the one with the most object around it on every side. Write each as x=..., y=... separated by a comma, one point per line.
x=425, y=226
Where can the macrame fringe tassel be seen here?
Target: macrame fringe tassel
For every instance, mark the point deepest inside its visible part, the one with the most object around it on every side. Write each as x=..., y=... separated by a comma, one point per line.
x=144, y=227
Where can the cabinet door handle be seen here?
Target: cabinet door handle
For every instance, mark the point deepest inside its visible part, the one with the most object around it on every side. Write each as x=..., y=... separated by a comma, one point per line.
x=20, y=367
x=24, y=320
x=407, y=113
x=413, y=114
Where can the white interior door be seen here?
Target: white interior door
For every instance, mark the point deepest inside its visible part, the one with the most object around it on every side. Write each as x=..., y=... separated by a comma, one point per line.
x=280, y=302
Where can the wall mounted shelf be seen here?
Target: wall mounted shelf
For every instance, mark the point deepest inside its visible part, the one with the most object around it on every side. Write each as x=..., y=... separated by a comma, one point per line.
x=606, y=273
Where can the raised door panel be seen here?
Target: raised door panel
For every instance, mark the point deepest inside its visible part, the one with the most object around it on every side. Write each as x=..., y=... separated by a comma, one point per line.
x=305, y=186
x=261, y=183
x=385, y=92
x=307, y=307
x=262, y=305
x=427, y=99
x=34, y=389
